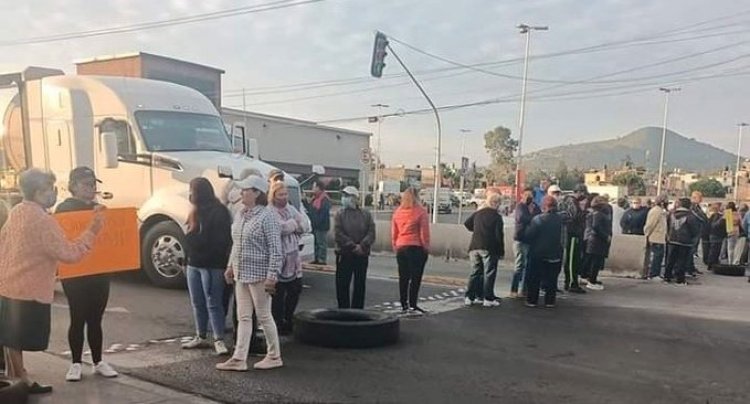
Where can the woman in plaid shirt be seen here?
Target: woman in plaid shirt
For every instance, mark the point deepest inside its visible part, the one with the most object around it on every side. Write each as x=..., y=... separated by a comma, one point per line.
x=254, y=266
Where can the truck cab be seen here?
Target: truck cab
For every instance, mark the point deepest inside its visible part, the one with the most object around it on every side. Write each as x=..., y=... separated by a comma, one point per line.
x=145, y=139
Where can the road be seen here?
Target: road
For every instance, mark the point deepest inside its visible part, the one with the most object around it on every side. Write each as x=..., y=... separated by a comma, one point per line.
x=634, y=342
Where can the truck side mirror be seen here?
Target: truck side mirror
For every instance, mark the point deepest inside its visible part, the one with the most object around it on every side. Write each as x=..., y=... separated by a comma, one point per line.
x=109, y=146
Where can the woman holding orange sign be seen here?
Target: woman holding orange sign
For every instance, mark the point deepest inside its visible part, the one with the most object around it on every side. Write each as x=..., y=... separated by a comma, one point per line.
x=32, y=244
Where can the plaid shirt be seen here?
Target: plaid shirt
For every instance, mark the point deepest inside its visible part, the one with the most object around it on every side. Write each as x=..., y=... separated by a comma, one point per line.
x=256, y=249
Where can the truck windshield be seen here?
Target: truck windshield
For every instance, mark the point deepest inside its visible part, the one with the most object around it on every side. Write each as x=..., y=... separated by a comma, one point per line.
x=181, y=131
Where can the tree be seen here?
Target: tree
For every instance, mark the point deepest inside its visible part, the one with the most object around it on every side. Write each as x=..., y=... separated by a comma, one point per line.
x=631, y=180
x=567, y=179
x=709, y=187
x=502, y=149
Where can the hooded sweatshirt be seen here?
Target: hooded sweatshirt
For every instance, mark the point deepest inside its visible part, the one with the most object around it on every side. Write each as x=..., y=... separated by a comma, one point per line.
x=410, y=227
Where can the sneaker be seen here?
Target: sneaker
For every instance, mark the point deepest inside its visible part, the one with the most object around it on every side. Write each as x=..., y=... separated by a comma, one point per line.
x=468, y=302
x=221, y=348
x=595, y=286
x=530, y=305
x=269, y=363
x=576, y=289
x=680, y=283
x=74, y=373
x=583, y=282
x=103, y=369
x=514, y=295
x=233, y=365
x=419, y=310
x=549, y=306
x=491, y=303
x=196, y=343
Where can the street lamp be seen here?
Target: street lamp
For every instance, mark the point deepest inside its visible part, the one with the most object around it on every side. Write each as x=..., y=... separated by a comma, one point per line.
x=376, y=196
x=740, y=126
x=524, y=30
x=463, y=172
x=666, y=92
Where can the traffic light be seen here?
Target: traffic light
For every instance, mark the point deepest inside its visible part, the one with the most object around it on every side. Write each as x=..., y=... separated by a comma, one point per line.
x=378, y=55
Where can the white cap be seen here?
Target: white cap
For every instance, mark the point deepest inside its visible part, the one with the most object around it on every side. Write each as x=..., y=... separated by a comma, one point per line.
x=350, y=190
x=552, y=189
x=253, y=181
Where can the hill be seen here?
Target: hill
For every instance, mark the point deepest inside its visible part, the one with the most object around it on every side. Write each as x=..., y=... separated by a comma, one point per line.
x=642, y=147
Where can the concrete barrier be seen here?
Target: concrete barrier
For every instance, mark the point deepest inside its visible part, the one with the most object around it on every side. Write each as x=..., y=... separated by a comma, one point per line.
x=625, y=257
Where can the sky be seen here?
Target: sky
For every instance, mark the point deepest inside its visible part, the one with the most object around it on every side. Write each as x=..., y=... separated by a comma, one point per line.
x=608, y=91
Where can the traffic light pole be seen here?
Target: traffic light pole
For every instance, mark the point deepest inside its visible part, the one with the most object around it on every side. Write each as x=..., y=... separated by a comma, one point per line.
x=438, y=173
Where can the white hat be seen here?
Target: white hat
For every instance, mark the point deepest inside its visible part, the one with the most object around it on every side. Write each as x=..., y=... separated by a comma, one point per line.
x=253, y=181
x=350, y=190
x=552, y=189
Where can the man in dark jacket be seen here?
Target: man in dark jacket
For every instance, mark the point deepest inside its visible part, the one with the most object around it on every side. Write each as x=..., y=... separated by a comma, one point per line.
x=634, y=219
x=696, y=198
x=598, y=238
x=526, y=209
x=320, y=220
x=573, y=213
x=545, y=238
x=684, y=227
x=485, y=249
x=354, y=233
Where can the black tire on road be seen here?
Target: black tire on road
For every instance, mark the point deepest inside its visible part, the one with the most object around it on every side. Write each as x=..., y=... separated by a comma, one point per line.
x=171, y=231
x=346, y=328
x=729, y=270
x=13, y=392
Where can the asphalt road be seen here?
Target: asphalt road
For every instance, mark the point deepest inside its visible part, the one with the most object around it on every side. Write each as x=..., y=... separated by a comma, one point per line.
x=634, y=342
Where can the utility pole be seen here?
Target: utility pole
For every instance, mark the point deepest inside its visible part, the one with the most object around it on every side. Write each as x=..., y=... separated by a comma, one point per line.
x=740, y=126
x=524, y=30
x=464, y=167
x=378, y=177
x=666, y=92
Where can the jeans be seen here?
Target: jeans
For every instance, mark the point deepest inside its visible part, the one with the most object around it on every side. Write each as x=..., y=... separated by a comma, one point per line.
x=206, y=287
x=678, y=262
x=284, y=303
x=481, y=283
x=87, y=300
x=542, y=274
x=572, y=262
x=348, y=266
x=321, y=246
x=522, y=261
x=656, y=252
x=253, y=298
x=411, y=261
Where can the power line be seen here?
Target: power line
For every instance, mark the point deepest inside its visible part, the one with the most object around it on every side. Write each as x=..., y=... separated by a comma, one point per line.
x=258, y=8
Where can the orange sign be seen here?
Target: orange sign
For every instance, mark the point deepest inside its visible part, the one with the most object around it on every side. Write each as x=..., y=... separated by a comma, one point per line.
x=116, y=249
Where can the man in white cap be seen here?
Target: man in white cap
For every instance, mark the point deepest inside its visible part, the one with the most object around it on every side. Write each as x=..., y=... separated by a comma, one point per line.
x=554, y=191
x=354, y=233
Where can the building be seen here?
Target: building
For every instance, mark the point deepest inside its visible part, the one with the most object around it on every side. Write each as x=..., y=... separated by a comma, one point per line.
x=598, y=177
x=410, y=176
x=291, y=144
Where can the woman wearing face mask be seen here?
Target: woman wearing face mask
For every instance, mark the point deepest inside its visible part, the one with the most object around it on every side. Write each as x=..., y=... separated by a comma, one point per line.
x=32, y=244
x=354, y=231
x=289, y=285
x=254, y=267
x=87, y=295
x=209, y=240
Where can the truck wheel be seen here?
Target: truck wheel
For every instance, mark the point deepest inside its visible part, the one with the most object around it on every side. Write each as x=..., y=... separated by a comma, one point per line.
x=729, y=270
x=13, y=391
x=163, y=255
x=346, y=328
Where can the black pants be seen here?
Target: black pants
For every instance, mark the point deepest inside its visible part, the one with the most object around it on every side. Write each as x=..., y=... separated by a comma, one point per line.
x=678, y=262
x=594, y=264
x=706, y=249
x=542, y=274
x=411, y=261
x=714, y=251
x=573, y=259
x=87, y=299
x=285, y=303
x=350, y=265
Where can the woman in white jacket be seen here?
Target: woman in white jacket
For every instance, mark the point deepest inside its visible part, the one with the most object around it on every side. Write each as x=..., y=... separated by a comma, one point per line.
x=289, y=286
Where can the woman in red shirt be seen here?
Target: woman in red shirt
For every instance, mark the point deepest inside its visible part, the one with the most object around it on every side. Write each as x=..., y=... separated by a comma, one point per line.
x=410, y=237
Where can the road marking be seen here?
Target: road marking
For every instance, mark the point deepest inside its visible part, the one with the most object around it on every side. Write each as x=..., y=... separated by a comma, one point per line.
x=119, y=310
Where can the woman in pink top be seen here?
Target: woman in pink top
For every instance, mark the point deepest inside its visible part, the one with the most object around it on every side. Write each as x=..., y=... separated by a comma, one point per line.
x=32, y=245
x=410, y=236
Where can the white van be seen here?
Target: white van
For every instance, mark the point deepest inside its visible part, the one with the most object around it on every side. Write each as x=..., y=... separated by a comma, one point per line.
x=145, y=139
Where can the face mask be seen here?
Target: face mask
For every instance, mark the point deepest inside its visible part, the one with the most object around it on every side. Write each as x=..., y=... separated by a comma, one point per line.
x=347, y=201
x=50, y=201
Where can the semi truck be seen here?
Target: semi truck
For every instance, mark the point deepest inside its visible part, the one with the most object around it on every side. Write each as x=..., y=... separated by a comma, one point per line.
x=145, y=139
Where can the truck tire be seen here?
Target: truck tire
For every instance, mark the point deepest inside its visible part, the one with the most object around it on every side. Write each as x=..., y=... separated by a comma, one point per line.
x=346, y=328
x=163, y=255
x=13, y=392
x=729, y=270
